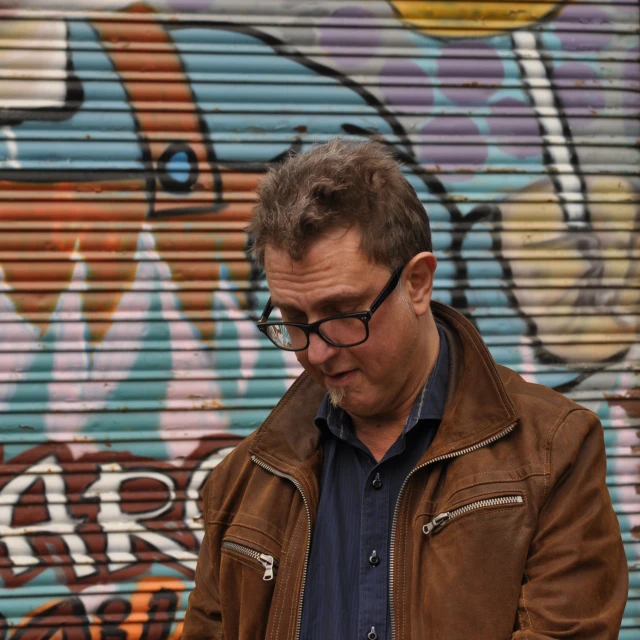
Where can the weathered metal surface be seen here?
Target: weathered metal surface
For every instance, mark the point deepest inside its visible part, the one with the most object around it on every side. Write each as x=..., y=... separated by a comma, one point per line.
x=131, y=139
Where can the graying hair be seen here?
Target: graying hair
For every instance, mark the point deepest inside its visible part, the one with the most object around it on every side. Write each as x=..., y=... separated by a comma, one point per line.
x=340, y=184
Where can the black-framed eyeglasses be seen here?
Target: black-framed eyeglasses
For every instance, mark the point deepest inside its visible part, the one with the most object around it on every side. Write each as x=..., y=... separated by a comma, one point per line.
x=344, y=330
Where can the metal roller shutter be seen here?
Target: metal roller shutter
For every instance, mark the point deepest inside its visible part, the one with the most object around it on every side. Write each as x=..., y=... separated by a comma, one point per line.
x=131, y=139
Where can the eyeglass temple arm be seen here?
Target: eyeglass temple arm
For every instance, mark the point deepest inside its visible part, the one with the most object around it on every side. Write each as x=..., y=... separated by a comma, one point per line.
x=267, y=311
x=384, y=294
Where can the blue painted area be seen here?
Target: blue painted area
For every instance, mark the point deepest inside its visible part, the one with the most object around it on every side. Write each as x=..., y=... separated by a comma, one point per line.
x=179, y=167
x=5, y=154
x=88, y=56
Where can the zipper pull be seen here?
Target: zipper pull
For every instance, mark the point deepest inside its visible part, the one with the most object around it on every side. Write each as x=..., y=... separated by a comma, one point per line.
x=267, y=563
x=435, y=524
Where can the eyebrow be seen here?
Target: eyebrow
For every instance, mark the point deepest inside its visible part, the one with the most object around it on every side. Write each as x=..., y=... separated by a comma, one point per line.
x=327, y=302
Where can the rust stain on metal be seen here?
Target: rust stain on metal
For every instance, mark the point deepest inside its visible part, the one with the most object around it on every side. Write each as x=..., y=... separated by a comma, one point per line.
x=629, y=401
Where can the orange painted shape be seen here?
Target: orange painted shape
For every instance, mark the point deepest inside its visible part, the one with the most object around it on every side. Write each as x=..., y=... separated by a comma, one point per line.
x=198, y=189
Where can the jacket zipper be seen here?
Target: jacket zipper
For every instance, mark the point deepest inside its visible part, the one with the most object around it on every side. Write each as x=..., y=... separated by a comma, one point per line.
x=267, y=561
x=446, y=456
x=442, y=518
x=298, y=486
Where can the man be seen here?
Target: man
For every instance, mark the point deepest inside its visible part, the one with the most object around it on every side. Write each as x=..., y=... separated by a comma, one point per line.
x=406, y=486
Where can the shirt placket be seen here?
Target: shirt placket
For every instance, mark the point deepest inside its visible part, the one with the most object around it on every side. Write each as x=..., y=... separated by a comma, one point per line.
x=374, y=556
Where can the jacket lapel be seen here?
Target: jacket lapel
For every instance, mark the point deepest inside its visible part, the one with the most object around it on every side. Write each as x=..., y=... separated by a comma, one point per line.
x=477, y=408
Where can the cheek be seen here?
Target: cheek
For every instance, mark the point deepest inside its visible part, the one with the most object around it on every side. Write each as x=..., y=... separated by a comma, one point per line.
x=301, y=356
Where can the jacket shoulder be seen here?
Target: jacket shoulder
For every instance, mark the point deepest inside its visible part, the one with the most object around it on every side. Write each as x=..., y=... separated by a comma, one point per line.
x=233, y=471
x=543, y=411
x=529, y=394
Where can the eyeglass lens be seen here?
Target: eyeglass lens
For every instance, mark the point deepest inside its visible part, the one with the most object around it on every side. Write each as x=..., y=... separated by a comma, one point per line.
x=341, y=332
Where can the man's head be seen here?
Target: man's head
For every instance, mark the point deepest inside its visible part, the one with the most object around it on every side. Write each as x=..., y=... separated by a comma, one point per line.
x=340, y=184
x=330, y=227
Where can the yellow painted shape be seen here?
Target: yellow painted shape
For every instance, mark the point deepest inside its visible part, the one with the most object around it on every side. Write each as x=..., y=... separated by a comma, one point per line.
x=558, y=267
x=471, y=19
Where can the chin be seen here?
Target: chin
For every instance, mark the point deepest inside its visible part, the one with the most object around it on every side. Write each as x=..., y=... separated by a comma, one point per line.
x=337, y=395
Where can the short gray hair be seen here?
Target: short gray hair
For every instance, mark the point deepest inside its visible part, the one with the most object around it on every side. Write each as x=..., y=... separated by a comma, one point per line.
x=340, y=184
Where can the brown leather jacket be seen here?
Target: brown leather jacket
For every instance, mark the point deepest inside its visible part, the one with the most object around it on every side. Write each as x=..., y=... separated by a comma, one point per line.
x=530, y=548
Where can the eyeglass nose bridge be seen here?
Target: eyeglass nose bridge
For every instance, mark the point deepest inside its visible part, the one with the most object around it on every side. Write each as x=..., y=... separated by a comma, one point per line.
x=315, y=330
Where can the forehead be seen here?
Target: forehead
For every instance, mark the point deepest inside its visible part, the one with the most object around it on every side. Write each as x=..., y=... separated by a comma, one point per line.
x=332, y=266
x=342, y=245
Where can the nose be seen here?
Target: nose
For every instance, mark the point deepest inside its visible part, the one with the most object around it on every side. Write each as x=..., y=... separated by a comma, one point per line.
x=319, y=351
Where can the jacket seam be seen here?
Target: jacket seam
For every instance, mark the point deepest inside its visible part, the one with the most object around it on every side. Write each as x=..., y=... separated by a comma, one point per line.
x=503, y=481
x=407, y=524
x=524, y=604
x=246, y=526
x=549, y=445
x=302, y=380
x=282, y=594
x=476, y=438
x=502, y=471
x=249, y=543
x=293, y=618
x=486, y=362
x=208, y=507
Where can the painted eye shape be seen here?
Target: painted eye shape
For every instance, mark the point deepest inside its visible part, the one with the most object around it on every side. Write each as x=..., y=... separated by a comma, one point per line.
x=178, y=168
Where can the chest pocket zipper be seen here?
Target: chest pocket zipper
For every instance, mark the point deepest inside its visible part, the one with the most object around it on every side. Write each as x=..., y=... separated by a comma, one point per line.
x=269, y=563
x=441, y=519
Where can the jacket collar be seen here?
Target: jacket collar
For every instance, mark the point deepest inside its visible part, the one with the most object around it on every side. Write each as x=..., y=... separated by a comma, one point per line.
x=476, y=409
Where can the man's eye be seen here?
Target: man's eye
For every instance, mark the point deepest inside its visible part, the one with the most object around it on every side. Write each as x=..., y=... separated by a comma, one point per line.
x=293, y=317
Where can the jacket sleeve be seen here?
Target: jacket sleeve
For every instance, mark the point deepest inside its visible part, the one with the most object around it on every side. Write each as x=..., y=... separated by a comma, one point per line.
x=203, y=619
x=576, y=577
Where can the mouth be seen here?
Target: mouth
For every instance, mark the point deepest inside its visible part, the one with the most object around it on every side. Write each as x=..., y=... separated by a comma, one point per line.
x=339, y=379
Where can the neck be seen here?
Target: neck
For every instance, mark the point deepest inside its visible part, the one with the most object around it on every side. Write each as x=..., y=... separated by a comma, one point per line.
x=379, y=432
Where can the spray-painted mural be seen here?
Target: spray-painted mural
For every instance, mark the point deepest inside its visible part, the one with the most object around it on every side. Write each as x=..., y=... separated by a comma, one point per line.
x=132, y=136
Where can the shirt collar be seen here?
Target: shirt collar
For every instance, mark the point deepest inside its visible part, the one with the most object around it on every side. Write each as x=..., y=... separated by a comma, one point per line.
x=429, y=405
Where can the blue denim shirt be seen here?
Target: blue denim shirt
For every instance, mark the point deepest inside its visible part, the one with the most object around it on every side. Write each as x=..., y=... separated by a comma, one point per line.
x=347, y=590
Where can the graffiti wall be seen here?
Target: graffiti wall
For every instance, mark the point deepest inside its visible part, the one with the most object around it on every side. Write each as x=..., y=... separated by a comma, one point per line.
x=132, y=136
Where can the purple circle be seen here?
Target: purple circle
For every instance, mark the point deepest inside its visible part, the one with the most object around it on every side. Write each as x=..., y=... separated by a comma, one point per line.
x=445, y=155
x=631, y=69
x=189, y=5
x=590, y=28
x=631, y=96
x=338, y=33
x=578, y=89
x=405, y=85
x=481, y=66
x=516, y=122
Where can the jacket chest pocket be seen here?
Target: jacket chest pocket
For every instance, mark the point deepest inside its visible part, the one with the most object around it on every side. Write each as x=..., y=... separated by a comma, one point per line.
x=248, y=582
x=265, y=560
x=473, y=507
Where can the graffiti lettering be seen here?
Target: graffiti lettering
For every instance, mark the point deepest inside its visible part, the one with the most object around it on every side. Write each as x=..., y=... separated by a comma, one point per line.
x=124, y=516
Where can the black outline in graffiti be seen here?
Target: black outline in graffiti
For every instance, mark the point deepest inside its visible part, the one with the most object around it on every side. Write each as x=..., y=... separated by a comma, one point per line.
x=166, y=179
x=405, y=155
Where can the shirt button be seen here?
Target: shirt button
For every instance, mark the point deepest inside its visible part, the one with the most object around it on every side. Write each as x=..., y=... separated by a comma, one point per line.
x=372, y=635
x=377, y=483
x=373, y=558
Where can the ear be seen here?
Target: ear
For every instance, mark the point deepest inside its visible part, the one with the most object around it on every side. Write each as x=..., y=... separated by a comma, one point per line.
x=417, y=279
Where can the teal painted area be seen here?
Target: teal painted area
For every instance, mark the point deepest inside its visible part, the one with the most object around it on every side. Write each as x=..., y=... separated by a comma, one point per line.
x=125, y=399
x=257, y=104
x=20, y=430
